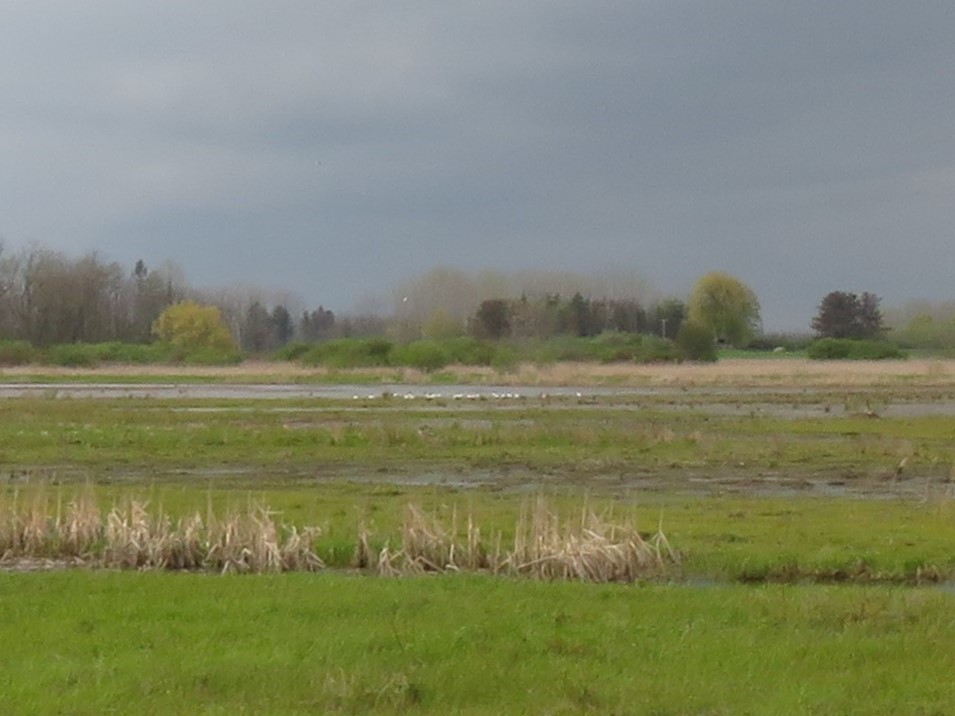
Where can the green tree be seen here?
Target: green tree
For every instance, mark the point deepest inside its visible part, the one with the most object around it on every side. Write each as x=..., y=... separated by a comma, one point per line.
x=845, y=315
x=256, y=331
x=492, y=319
x=318, y=325
x=726, y=306
x=667, y=318
x=282, y=328
x=192, y=327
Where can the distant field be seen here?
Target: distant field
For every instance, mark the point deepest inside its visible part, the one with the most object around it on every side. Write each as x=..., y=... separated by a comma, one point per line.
x=736, y=371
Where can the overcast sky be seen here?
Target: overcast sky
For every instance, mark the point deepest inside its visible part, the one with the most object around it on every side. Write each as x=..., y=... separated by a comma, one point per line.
x=337, y=148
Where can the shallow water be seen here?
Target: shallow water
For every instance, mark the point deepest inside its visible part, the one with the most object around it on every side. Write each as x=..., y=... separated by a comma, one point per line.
x=742, y=402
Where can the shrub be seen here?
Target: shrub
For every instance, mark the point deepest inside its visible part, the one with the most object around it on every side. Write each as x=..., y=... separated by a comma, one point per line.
x=471, y=351
x=696, y=342
x=505, y=359
x=850, y=349
x=212, y=356
x=425, y=355
x=606, y=348
x=771, y=341
x=561, y=348
x=292, y=351
x=876, y=350
x=16, y=353
x=830, y=349
x=618, y=347
x=350, y=353
x=73, y=355
x=658, y=350
x=136, y=353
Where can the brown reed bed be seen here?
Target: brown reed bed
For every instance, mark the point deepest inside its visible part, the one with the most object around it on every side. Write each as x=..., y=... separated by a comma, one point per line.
x=131, y=536
x=545, y=546
x=39, y=531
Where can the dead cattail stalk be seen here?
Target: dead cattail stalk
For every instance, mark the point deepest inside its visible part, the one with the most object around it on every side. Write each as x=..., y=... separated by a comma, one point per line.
x=132, y=536
x=592, y=549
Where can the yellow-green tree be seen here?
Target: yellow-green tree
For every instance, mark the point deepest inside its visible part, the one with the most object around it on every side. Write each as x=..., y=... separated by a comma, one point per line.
x=442, y=325
x=726, y=306
x=192, y=327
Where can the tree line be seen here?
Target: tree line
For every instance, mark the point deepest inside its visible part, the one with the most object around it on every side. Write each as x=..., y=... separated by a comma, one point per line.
x=580, y=316
x=49, y=298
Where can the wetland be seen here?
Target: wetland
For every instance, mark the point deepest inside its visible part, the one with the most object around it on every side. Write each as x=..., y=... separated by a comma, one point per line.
x=810, y=516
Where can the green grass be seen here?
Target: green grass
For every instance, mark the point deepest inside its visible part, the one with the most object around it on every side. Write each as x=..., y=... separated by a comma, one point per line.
x=626, y=438
x=300, y=644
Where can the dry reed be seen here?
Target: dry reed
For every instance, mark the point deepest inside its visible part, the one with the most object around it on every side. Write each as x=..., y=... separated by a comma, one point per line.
x=130, y=536
x=545, y=547
x=38, y=529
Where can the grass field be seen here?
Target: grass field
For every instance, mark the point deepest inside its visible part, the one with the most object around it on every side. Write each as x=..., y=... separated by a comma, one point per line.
x=300, y=644
x=810, y=509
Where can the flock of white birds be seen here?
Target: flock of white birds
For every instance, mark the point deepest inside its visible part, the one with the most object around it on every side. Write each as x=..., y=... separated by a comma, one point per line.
x=452, y=396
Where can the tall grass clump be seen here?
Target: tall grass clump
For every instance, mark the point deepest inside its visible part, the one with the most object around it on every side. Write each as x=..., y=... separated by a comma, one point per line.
x=591, y=550
x=37, y=527
x=545, y=547
x=248, y=541
x=131, y=536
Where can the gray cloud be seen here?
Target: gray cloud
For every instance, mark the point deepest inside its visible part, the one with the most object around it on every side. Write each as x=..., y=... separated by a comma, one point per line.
x=337, y=148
